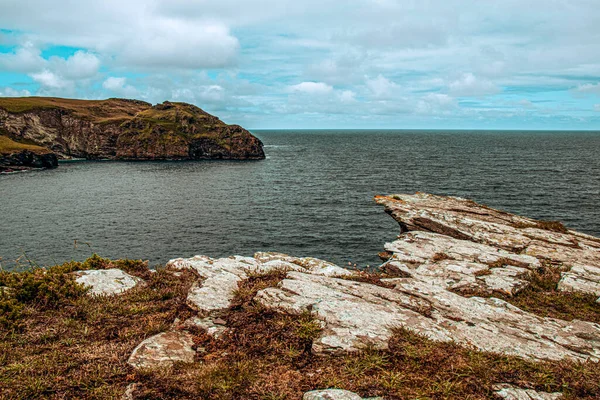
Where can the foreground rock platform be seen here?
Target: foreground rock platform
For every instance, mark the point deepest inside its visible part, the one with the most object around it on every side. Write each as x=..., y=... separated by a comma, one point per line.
x=448, y=248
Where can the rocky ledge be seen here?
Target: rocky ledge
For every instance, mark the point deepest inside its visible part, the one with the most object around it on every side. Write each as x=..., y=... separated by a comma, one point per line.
x=123, y=129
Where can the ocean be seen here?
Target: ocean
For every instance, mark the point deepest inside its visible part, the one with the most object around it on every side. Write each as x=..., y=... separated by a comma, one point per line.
x=312, y=196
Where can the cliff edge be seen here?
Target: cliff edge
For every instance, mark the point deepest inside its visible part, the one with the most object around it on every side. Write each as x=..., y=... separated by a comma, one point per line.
x=120, y=129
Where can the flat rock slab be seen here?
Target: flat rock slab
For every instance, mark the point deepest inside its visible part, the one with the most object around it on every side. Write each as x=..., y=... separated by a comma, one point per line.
x=107, y=281
x=163, y=350
x=510, y=392
x=222, y=276
x=354, y=314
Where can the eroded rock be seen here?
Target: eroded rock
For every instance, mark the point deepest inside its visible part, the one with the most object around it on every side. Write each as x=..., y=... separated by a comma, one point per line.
x=510, y=392
x=107, y=281
x=221, y=276
x=482, y=230
x=163, y=350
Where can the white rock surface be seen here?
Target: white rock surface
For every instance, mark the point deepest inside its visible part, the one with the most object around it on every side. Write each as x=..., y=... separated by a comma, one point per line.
x=222, y=276
x=510, y=392
x=162, y=350
x=107, y=281
x=355, y=313
x=331, y=394
x=207, y=324
x=481, y=231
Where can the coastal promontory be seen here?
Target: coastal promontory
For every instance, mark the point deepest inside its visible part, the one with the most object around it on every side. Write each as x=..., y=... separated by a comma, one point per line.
x=121, y=129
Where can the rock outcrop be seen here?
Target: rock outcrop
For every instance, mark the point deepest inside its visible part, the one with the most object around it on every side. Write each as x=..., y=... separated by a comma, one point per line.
x=125, y=130
x=16, y=156
x=464, y=231
x=107, y=282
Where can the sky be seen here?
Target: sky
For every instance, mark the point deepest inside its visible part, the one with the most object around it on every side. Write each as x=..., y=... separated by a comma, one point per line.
x=277, y=64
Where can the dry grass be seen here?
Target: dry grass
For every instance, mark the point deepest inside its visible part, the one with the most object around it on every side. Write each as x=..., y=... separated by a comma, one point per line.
x=79, y=350
x=543, y=298
x=9, y=146
x=96, y=110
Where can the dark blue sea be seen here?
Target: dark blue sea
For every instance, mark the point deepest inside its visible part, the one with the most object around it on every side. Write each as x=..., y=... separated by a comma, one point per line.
x=312, y=196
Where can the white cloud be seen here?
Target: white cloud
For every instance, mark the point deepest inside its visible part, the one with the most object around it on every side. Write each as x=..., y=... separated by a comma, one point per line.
x=80, y=65
x=381, y=87
x=119, y=86
x=588, y=88
x=171, y=43
x=49, y=80
x=435, y=103
x=597, y=107
x=24, y=59
x=314, y=88
x=347, y=96
x=10, y=92
x=469, y=85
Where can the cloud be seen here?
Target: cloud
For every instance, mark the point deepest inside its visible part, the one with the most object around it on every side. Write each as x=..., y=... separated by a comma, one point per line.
x=381, y=87
x=597, y=107
x=435, y=103
x=10, y=92
x=119, y=86
x=314, y=88
x=588, y=88
x=469, y=85
x=49, y=80
x=171, y=43
x=81, y=65
x=24, y=59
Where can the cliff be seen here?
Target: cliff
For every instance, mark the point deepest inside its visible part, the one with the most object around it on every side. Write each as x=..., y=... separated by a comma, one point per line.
x=16, y=156
x=122, y=129
x=471, y=303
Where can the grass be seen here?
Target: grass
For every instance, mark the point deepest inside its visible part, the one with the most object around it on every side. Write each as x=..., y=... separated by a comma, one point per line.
x=95, y=110
x=543, y=298
x=70, y=345
x=9, y=146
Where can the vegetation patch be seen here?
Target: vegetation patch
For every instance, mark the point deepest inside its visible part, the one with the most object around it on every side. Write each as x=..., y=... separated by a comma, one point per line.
x=9, y=146
x=543, y=298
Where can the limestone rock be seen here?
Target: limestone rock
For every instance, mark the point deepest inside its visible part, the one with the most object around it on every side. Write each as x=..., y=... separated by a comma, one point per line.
x=510, y=392
x=354, y=314
x=482, y=230
x=211, y=328
x=162, y=350
x=107, y=281
x=222, y=276
x=331, y=394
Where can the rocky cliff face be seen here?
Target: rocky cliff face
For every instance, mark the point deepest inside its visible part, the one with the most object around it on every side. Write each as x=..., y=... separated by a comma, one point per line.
x=125, y=130
x=16, y=156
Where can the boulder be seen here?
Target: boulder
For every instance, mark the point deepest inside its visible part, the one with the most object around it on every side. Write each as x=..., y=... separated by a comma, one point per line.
x=163, y=350
x=107, y=281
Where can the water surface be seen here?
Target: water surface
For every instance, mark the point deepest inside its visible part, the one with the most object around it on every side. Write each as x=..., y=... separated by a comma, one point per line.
x=311, y=196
